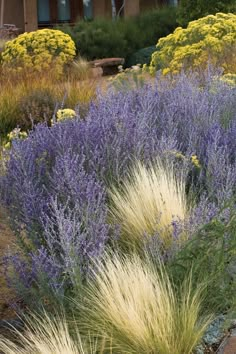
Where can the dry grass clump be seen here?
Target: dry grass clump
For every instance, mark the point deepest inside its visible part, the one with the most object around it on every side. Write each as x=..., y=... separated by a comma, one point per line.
x=2, y=44
x=28, y=96
x=79, y=69
x=46, y=336
x=130, y=301
x=150, y=199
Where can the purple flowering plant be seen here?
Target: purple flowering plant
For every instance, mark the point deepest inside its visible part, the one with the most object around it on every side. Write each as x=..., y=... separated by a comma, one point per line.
x=56, y=181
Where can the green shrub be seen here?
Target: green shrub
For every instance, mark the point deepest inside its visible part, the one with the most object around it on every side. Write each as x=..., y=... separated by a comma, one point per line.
x=211, y=38
x=189, y=10
x=38, y=51
x=154, y=24
x=142, y=56
x=106, y=38
x=98, y=39
x=211, y=255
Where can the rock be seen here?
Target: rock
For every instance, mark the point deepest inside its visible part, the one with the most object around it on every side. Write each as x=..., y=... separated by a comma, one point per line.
x=9, y=31
x=108, y=65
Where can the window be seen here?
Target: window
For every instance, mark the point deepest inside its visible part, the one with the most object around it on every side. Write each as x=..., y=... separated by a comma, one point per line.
x=57, y=11
x=43, y=11
x=173, y=2
x=88, y=9
x=63, y=10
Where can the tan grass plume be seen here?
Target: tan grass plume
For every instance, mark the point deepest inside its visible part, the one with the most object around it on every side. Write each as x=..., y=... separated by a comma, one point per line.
x=44, y=335
x=150, y=199
x=139, y=307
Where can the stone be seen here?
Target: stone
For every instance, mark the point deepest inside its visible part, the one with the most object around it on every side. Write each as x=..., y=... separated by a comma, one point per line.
x=9, y=31
x=109, y=65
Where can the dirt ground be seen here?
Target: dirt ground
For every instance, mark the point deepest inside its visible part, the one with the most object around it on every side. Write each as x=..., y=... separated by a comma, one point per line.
x=6, y=241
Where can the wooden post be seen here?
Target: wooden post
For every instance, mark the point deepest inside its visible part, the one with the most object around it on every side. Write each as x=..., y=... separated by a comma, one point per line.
x=30, y=15
x=2, y=13
x=132, y=8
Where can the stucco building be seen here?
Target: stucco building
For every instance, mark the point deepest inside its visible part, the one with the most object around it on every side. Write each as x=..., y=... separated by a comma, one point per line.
x=28, y=15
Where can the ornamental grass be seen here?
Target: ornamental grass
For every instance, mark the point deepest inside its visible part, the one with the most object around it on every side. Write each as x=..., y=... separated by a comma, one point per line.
x=44, y=335
x=30, y=98
x=148, y=202
x=138, y=306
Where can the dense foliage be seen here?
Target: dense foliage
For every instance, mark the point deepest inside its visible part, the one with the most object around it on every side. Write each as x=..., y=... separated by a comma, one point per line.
x=106, y=38
x=211, y=38
x=213, y=249
x=142, y=56
x=189, y=10
x=56, y=181
x=39, y=50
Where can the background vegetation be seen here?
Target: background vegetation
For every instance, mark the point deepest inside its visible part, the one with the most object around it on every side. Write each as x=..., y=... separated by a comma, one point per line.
x=189, y=10
x=102, y=38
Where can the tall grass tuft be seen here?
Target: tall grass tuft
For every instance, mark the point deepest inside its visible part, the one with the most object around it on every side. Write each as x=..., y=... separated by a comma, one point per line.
x=2, y=44
x=46, y=336
x=150, y=199
x=27, y=96
x=138, y=306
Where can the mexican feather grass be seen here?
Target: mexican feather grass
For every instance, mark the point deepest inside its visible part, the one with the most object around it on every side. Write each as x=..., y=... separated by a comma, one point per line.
x=136, y=305
x=148, y=202
x=44, y=335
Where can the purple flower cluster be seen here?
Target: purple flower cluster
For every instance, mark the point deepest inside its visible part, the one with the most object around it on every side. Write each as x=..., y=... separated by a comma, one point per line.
x=56, y=180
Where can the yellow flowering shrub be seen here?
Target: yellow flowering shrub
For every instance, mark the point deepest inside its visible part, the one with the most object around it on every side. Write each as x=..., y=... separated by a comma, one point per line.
x=194, y=160
x=229, y=79
x=39, y=50
x=208, y=39
x=64, y=114
x=13, y=135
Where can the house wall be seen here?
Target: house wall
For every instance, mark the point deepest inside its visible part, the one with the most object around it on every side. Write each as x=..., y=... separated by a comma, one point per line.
x=132, y=8
x=23, y=13
x=30, y=15
x=148, y=4
x=151, y=4
x=101, y=8
x=14, y=13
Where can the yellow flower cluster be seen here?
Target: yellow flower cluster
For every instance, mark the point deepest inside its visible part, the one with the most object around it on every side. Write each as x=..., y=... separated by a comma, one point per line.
x=13, y=135
x=63, y=114
x=195, y=161
x=208, y=39
x=229, y=79
x=39, y=50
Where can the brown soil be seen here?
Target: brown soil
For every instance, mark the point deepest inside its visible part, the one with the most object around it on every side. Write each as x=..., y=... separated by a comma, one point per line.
x=6, y=241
